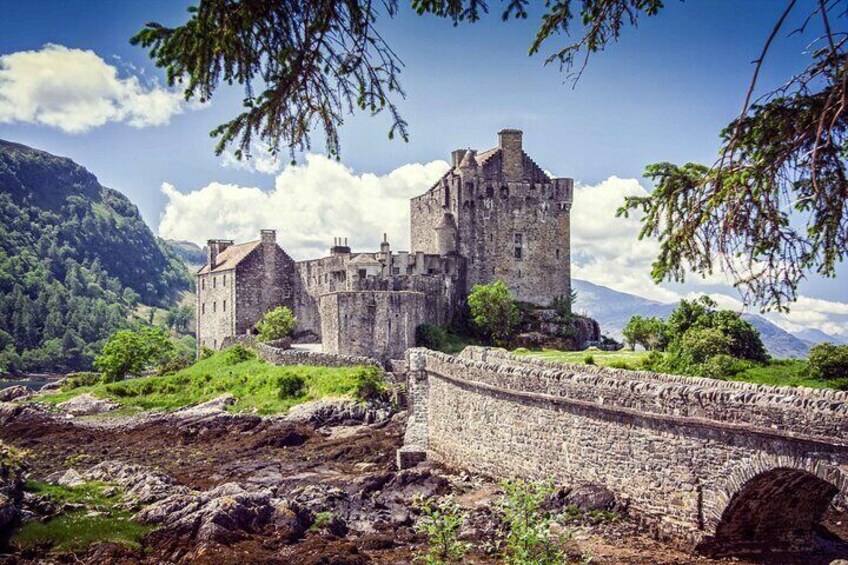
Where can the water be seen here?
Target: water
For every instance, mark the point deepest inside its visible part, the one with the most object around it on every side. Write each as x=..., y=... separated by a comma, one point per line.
x=33, y=381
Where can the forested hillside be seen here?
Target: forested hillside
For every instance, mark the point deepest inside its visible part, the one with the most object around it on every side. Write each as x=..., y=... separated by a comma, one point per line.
x=75, y=259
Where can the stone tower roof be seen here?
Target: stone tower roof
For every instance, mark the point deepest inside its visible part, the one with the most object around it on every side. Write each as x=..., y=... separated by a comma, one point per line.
x=231, y=256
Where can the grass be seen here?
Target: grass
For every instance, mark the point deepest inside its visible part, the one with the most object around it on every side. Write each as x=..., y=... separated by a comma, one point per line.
x=98, y=520
x=778, y=372
x=257, y=386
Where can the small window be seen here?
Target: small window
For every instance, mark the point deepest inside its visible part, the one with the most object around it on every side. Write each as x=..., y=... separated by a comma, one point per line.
x=409, y=270
x=224, y=306
x=214, y=307
x=518, y=239
x=224, y=281
x=518, y=253
x=214, y=281
x=203, y=308
x=215, y=344
x=203, y=283
x=395, y=270
x=557, y=253
x=362, y=274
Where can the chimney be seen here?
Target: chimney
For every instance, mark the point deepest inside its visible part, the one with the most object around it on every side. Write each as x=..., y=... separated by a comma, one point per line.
x=212, y=253
x=384, y=247
x=509, y=142
x=456, y=157
x=269, y=237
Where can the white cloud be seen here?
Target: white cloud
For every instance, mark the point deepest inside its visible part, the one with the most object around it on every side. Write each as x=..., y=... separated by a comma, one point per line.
x=605, y=249
x=309, y=205
x=260, y=160
x=75, y=90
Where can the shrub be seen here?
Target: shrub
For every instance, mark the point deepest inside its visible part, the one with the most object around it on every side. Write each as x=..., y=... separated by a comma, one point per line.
x=720, y=366
x=290, y=385
x=440, y=522
x=76, y=380
x=130, y=352
x=589, y=359
x=699, y=344
x=653, y=361
x=370, y=384
x=493, y=311
x=430, y=336
x=206, y=352
x=175, y=364
x=276, y=324
x=828, y=361
x=529, y=539
x=238, y=354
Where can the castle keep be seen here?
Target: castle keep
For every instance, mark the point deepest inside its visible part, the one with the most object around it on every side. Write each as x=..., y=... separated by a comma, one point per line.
x=494, y=215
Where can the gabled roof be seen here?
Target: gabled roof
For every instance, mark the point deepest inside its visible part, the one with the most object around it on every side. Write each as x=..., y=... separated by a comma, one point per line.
x=231, y=256
x=364, y=259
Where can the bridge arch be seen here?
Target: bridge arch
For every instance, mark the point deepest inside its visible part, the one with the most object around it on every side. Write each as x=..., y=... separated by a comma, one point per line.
x=772, y=504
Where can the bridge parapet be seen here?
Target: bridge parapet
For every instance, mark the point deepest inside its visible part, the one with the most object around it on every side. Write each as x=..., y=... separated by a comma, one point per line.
x=679, y=450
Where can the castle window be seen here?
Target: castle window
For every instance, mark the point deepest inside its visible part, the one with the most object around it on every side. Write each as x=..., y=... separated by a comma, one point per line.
x=214, y=306
x=203, y=308
x=362, y=274
x=214, y=281
x=395, y=270
x=519, y=246
x=203, y=283
x=490, y=192
x=518, y=253
x=409, y=270
x=447, y=197
x=504, y=192
x=225, y=305
x=557, y=253
x=224, y=281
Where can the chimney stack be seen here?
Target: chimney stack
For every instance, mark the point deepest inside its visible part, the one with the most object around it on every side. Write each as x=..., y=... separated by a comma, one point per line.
x=212, y=253
x=269, y=237
x=509, y=142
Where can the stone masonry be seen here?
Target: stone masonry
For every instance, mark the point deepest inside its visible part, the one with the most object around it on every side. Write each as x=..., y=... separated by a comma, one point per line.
x=493, y=215
x=724, y=467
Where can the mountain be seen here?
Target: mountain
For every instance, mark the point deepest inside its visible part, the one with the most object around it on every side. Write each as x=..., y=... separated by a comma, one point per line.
x=815, y=336
x=192, y=254
x=75, y=259
x=612, y=310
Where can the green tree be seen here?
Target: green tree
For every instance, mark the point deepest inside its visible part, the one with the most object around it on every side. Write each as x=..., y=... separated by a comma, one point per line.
x=651, y=333
x=129, y=352
x=276, y=324
x=440, y=522
x=828, y=361
x=529, y=536
x=769, y=210
x=493, y=311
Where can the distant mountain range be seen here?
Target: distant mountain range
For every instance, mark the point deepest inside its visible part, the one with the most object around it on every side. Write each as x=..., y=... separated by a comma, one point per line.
x=612, y=310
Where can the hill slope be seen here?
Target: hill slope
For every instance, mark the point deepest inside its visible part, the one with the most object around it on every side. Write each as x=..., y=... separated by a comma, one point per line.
x=612, y=310
x=75, y=257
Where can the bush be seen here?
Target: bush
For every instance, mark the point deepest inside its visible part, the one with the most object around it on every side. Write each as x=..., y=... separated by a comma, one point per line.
x=175, y=364
x=370, y=384
x=440, y=522
x=276, y=324
x=699, y=344
x=431, y=337
x=529, y=539
x=86, y=378
x=238, y=354
x=290, y=385
x=720, y=366
x=589, y=360
x=828, y=361
x=130, y=352
x=206, y=353
x=493, y=311
x=653, y=361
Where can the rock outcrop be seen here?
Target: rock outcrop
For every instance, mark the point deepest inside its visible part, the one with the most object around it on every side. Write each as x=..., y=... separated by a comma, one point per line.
x=87, y=404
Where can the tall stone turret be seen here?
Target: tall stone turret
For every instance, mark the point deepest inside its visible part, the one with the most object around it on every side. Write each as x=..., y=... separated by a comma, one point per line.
x=509, y=220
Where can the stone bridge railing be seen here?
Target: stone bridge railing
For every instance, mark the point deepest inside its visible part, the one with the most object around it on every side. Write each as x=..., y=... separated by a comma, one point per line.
x=709, y=462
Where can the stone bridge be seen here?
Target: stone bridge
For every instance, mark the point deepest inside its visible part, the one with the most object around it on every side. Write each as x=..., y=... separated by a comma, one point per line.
x=724, y=467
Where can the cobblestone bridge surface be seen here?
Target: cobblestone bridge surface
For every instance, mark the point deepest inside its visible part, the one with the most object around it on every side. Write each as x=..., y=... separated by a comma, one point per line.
x=725, y=467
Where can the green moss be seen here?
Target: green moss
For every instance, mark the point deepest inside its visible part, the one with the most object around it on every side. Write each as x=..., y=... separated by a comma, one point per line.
x=254, y=383
x=98, y=520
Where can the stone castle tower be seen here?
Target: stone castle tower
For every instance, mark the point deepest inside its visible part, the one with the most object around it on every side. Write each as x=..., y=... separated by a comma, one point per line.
x=505, y=216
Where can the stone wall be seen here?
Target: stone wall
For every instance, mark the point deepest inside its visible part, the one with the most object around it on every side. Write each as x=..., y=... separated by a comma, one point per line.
x=260, y=289
x=679, y=451
x=290, y=357
x=381, y=324
x=216, y=301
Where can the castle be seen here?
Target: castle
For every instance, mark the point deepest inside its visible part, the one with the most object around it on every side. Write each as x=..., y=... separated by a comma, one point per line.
x=495, y=215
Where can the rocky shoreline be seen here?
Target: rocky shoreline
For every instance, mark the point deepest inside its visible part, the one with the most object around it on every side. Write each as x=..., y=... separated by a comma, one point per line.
x=319, y=486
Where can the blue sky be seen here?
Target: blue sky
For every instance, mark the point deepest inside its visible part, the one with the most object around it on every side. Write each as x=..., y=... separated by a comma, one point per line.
x=662, y=94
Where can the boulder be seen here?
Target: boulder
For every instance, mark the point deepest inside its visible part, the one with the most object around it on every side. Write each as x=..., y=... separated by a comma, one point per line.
x=69, y=478
x=87, y=404
x=340, y=411
x=17, y=392
x=213, y=406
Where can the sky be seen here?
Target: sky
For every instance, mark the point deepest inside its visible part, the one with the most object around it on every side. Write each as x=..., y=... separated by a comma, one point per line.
x=71, y=84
